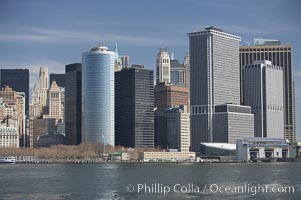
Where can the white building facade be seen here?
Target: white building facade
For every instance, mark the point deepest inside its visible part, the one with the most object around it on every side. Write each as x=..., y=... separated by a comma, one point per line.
x=263, y=91
x=163, y=66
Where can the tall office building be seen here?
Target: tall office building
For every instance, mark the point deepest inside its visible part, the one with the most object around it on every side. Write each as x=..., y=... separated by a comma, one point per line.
x=18, y=80
x=177, y=73
x=73, y=104
x=44, y=86
x=163, y=66
x=134, y=107
x=125, y=61
x=60, y=79
x=55, y=102
x=98, y=95
x=173, y=131
x=34, y=106
x=168, y=95
x=279, y=55
x=214, y=81
x=263, y=91
x=41, y=127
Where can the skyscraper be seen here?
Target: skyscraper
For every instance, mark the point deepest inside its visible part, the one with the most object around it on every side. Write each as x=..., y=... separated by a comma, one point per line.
x=280, y=55
x=177, y=73
x=73, y=104
x=134, y=107
x=55, y=102
x=118, y=63
x=125, y=61
x=98, y=95
x=163, y=66
x=167, y=95
x=263, y=91
x=34, y=108
x=18, y=80
x=173, y=132
x=44, y=85
x=215, y=81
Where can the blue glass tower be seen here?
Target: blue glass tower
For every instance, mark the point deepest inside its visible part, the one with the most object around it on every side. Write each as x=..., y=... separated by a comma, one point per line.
x=98, y=95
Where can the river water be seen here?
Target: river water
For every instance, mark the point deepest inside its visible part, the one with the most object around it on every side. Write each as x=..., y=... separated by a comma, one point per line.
x=151, y=181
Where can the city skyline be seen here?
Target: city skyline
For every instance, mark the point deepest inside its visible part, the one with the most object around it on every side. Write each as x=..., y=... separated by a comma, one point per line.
x=55, y=39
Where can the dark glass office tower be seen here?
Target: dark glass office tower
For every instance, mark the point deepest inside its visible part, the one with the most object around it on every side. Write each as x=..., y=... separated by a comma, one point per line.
x=18, y=80
x=60, y=79
x=280, y=55
x=73, y=103
x=134, y=107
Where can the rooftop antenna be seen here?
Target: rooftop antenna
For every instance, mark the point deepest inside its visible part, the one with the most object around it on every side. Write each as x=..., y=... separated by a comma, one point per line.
x=172, y=55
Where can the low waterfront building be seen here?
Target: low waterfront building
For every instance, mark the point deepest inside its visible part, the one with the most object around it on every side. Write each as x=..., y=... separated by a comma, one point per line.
x=41, y=127
x=257, y=148
x=9, y=137
x=217, y=149
x=167, y=156
x=50, y=139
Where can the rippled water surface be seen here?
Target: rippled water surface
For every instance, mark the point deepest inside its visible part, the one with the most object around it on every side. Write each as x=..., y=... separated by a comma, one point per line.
x=122, y=181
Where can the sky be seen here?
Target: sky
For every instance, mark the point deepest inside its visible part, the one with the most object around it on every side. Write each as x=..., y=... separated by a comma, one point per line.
x=35, y=33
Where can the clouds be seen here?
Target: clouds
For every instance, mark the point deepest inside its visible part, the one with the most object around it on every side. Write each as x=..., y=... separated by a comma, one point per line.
x=72, y=36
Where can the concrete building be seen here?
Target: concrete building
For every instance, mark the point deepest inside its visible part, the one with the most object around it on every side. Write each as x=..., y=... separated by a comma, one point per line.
x=73, y=104
x=34, y=105
x=279, y=55
x=55, y=102
x=167, y=156
x=125, y=61
x=50, y=139
x=9, y=136
x=41, y=127
x=15, y=109
x=214, y=81
x=167, y=95
x=163, y=66
x=178, y=128
x=134, y=107
x=265, y=42
x=263, y=91
x=257, y=149
x=98, y=95
x=18, y=80
x=44, y=86
x=177, y=73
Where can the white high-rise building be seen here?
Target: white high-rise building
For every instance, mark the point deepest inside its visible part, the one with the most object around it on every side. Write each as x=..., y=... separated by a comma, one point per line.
x=98, y=96
x=34, y=105
x=263, y=91
x=44, y=85
x=215, y=89
x=163, y=66
x=125, y=61
x=54, y=102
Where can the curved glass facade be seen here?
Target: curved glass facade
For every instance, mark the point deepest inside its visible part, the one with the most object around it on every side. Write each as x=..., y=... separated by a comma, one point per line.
x=98, y=95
